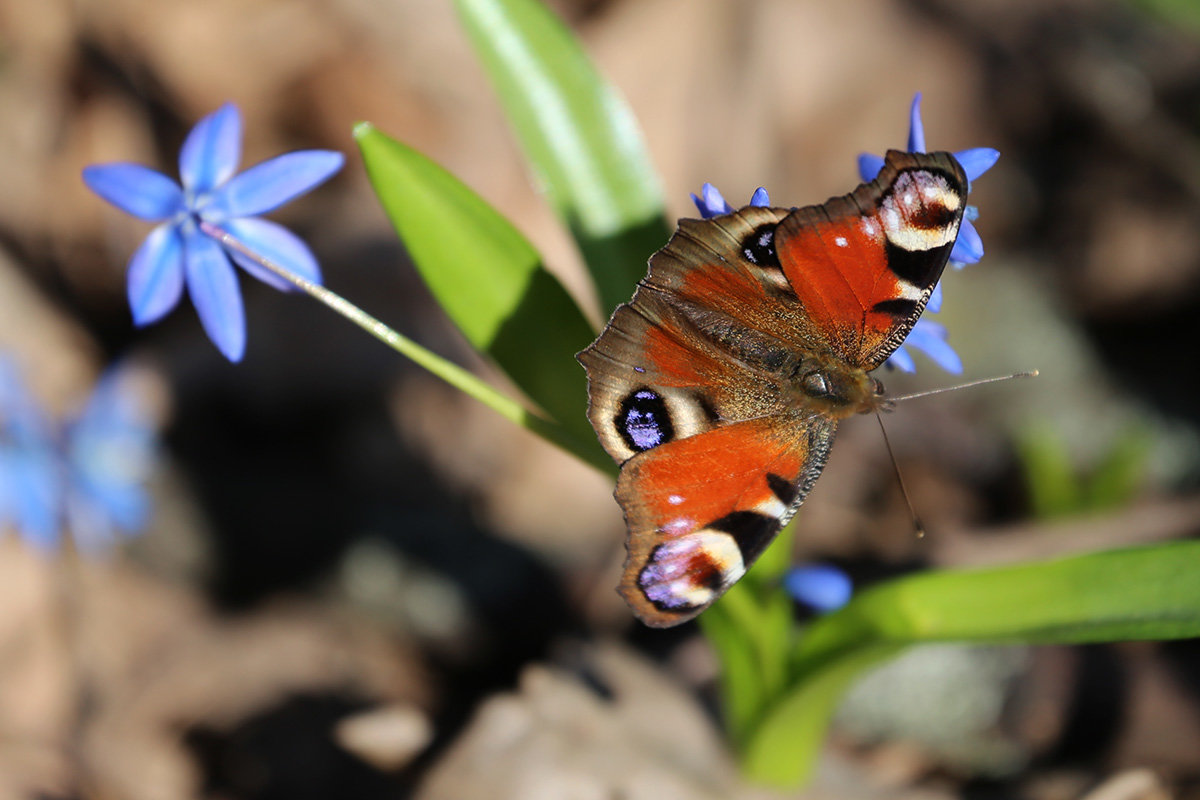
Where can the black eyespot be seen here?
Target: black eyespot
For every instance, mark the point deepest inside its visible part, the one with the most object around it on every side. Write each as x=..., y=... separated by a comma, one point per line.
x=759, y=247
x=643, y=420
x=814, y=384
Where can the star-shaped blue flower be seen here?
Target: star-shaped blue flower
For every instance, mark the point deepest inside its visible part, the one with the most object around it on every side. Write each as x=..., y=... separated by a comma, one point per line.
x=927, y=336
x=178, y=252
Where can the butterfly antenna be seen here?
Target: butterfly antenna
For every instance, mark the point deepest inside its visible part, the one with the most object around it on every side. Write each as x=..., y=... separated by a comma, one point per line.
x=1033, y=373
x=918, y=526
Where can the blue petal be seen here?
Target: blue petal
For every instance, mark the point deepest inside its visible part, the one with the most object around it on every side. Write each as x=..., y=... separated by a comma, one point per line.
x=155, y=279
x=35, y=496
x=822, y=587
x=212, y=150
x=714, y=200
x=272, y=183
x=274, y=243
x=935, y=299
x=968, y=247
x=711, y=203
x=869, y=166
x=137, y=190
x=930, y=338
x=213, y=287
x=977, y=160
x=916, y=129
x=760, y=197
x=901, y=360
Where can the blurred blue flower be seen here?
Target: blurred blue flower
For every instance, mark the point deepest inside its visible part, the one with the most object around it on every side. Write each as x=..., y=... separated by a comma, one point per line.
x=89, y=475
x=821, y=587
x=927, y=336
x=177, y=251
x=712, y=204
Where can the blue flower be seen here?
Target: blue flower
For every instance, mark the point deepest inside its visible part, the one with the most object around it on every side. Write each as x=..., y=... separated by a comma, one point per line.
x=712, y=204
x=179, y=252
x=89, y=476
x=927, y=336
x=821, y=587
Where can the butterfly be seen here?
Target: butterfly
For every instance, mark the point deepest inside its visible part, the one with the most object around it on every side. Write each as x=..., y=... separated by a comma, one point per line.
x=719, y=386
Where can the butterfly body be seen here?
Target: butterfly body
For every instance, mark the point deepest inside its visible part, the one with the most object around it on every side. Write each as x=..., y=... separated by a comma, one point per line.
x=719, y=386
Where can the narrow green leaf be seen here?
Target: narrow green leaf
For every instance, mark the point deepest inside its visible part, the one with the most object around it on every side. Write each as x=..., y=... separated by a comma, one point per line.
x=487, y=277
x=1131, y=594
x=579, y=135
x=727, y=627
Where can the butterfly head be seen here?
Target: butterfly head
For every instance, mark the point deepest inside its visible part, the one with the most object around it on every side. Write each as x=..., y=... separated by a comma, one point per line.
x=837, y=388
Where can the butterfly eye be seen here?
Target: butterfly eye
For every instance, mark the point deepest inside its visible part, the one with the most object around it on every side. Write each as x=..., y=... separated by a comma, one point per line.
x=876, y=387
x=815, y=385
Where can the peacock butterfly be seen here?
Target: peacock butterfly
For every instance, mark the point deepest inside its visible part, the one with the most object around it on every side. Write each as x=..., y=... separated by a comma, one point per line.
x=719, y=386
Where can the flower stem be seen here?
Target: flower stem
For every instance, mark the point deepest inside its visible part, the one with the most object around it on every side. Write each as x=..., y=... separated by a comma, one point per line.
x=461, y=379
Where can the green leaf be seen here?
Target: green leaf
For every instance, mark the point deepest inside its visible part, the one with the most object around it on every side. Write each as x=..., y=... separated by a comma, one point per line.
x=1131, y=594
x=579, y=135
x=488, y=279
x=728, y=626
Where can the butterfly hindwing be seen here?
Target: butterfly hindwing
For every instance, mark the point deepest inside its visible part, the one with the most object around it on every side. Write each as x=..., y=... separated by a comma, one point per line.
x=700, y=510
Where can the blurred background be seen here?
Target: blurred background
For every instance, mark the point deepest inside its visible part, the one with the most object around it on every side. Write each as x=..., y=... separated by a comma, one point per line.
x=356, y=583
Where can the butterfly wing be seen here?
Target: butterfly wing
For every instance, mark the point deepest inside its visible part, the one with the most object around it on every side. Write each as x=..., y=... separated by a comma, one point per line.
x=692, y=385
x=864, y=265
x=701, y=509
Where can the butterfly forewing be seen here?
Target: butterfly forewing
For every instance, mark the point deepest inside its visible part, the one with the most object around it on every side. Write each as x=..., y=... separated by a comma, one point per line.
x=652, y=379
x=863, y=266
